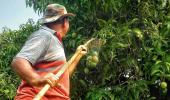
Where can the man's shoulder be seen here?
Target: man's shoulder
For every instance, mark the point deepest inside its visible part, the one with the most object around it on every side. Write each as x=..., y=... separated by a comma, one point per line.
x=42, y=32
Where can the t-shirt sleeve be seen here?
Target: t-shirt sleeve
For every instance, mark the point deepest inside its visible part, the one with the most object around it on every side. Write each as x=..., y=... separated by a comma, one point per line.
x=34, y=47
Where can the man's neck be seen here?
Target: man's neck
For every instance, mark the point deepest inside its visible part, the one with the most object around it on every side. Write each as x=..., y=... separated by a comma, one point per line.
x=58, y=29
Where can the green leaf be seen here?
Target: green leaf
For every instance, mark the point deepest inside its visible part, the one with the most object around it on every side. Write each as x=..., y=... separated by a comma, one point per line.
x=167, y=76
x=101, y=22
x=122, y=45
x=156, y=72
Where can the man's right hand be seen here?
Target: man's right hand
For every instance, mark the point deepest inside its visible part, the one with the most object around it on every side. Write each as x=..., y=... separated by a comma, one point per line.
x=42, y=80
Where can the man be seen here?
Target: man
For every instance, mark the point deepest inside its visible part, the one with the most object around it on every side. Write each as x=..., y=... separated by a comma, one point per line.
x=43, y=55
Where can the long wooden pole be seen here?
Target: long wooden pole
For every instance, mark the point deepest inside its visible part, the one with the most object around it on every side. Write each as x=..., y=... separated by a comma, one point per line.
x=61, y=71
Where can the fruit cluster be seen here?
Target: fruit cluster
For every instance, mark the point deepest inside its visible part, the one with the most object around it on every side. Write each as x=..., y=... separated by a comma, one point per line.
x=92, y=59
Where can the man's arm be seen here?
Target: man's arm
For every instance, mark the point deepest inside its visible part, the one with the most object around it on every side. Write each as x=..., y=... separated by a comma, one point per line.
x=24, y=69
x=83, y=51
x=34, y=47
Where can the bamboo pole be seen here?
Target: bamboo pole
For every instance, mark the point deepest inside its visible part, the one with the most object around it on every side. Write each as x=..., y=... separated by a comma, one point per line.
x=61, y=71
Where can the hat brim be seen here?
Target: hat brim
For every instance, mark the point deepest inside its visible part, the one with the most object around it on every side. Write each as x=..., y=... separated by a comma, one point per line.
x=67, y=15
x=55, y=18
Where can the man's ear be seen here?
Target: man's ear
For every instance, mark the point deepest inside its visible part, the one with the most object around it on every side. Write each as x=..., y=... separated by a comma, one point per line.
x=64, y=23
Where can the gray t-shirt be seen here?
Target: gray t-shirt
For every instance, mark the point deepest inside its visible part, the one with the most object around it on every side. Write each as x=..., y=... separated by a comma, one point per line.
x=41, y=46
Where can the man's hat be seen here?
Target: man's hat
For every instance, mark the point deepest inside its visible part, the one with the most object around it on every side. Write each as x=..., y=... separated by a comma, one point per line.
x=54, y=12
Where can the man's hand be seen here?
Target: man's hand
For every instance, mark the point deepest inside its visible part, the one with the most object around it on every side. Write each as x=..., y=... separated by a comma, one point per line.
x=82, y=49
x=47, y=79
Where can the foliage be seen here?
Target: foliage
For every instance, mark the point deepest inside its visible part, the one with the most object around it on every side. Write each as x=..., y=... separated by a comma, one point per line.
x=136, y=57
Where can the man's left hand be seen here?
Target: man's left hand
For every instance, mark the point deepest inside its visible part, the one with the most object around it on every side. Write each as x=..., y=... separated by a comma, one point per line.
x=82, y=49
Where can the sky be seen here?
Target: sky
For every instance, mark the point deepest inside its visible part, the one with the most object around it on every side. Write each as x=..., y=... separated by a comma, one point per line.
x=14, y=13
